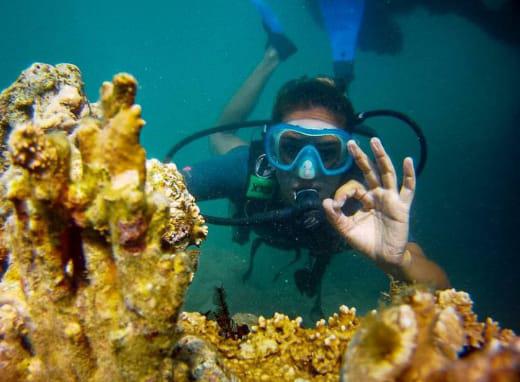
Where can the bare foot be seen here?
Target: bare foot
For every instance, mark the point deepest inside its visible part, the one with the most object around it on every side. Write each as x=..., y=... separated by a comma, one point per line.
x=271, y=57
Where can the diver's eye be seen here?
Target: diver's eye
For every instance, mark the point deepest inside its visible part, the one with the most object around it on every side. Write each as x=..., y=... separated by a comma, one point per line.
x=330, y=153
x=289, y=148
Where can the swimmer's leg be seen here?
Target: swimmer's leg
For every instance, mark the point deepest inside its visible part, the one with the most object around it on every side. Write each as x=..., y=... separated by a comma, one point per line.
x=254, y=248
x=316, y=310
x=309, y=282
x=275, y=34
x=243, y=102
x=293, y=261
x=240, y=106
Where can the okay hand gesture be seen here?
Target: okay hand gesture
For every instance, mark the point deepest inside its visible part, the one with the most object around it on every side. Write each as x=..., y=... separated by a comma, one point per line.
x=380, y=228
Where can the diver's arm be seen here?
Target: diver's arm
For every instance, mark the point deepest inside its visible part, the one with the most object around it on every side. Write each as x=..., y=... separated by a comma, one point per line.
x=416, y=268
x=243, y=102
x=224, y=176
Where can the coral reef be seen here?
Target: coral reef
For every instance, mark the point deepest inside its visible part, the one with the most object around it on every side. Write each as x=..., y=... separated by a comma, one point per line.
x=96, y=241
x=425, y=337
x=96, y=236
x=419, y=336
x=276, y=349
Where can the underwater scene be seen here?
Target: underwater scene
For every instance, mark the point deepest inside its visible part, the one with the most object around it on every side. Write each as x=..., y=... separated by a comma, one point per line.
x=164, y=171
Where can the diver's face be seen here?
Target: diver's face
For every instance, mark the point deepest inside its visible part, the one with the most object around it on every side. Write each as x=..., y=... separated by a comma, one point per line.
x=289, y=182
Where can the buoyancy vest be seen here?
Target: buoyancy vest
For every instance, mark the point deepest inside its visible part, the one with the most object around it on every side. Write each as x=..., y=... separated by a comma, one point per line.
x=262, y=194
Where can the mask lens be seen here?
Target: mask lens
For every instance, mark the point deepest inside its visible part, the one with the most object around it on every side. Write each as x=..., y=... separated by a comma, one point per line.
x=291, y=143
x=331, y=152
x=329, y=147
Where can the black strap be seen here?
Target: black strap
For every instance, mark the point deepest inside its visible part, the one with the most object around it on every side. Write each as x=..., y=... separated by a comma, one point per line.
x=241, y=233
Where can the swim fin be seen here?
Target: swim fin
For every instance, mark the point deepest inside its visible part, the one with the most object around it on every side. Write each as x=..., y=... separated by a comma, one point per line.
x=275, y=35
x=342, y=20
x=344, y=71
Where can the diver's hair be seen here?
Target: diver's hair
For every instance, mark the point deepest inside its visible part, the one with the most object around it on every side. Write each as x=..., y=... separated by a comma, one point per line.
x=305, y=93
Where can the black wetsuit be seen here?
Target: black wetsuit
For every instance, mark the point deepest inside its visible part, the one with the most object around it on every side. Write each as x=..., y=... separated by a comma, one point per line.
x=228, y=176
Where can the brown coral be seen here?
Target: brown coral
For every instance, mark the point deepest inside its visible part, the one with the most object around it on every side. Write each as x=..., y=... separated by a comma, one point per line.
x=422, y=337
x=382, y=347
x=495, y=362
x=91, y=292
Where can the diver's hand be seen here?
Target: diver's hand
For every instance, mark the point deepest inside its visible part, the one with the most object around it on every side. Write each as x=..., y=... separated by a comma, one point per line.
x=380, y=228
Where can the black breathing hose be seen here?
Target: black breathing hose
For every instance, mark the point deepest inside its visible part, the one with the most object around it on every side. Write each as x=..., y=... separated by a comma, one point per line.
x=410, y=122
x=212, y=130
x=258, y=218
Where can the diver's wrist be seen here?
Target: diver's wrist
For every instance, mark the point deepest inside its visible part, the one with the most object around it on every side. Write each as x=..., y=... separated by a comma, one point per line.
x=399, y=266
x=406, y=260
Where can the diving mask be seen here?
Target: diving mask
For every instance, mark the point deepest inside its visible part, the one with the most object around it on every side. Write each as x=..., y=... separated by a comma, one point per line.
x=308, y=151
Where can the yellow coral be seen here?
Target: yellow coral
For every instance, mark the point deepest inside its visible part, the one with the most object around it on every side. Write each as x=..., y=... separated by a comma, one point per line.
x=463, y=305
x=118, y=95
x=185, y=224
x=382, y=347
x=279, y=348
x=101, y=291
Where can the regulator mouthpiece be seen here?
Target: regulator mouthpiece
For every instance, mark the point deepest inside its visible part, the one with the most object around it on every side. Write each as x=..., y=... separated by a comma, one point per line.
x=309, y=203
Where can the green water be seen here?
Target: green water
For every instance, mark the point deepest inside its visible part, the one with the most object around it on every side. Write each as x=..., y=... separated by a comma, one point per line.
x=451, y=75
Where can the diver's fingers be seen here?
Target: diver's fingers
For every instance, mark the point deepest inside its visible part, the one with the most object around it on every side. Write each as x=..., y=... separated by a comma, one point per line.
x=341, y=195
x=365, y=197
x=333, y=211
x=336, y=217
x=409, y=181
x=332, y=207
x=364, y=164
x=347, y=189
x=385, y=165
x=354, y=189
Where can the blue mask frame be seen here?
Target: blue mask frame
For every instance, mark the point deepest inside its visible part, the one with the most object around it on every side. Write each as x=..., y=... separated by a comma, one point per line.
x=308, y=162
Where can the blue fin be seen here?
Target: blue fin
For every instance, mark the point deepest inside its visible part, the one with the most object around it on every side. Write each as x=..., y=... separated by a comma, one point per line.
x=342, y=19
x=275, y=35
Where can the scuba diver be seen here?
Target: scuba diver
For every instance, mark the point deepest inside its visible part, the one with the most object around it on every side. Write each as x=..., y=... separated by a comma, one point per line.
x=307, y=157
x=307, y=185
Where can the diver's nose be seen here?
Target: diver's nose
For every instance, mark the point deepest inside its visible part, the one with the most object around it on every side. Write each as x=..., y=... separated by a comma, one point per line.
x=307, y=170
